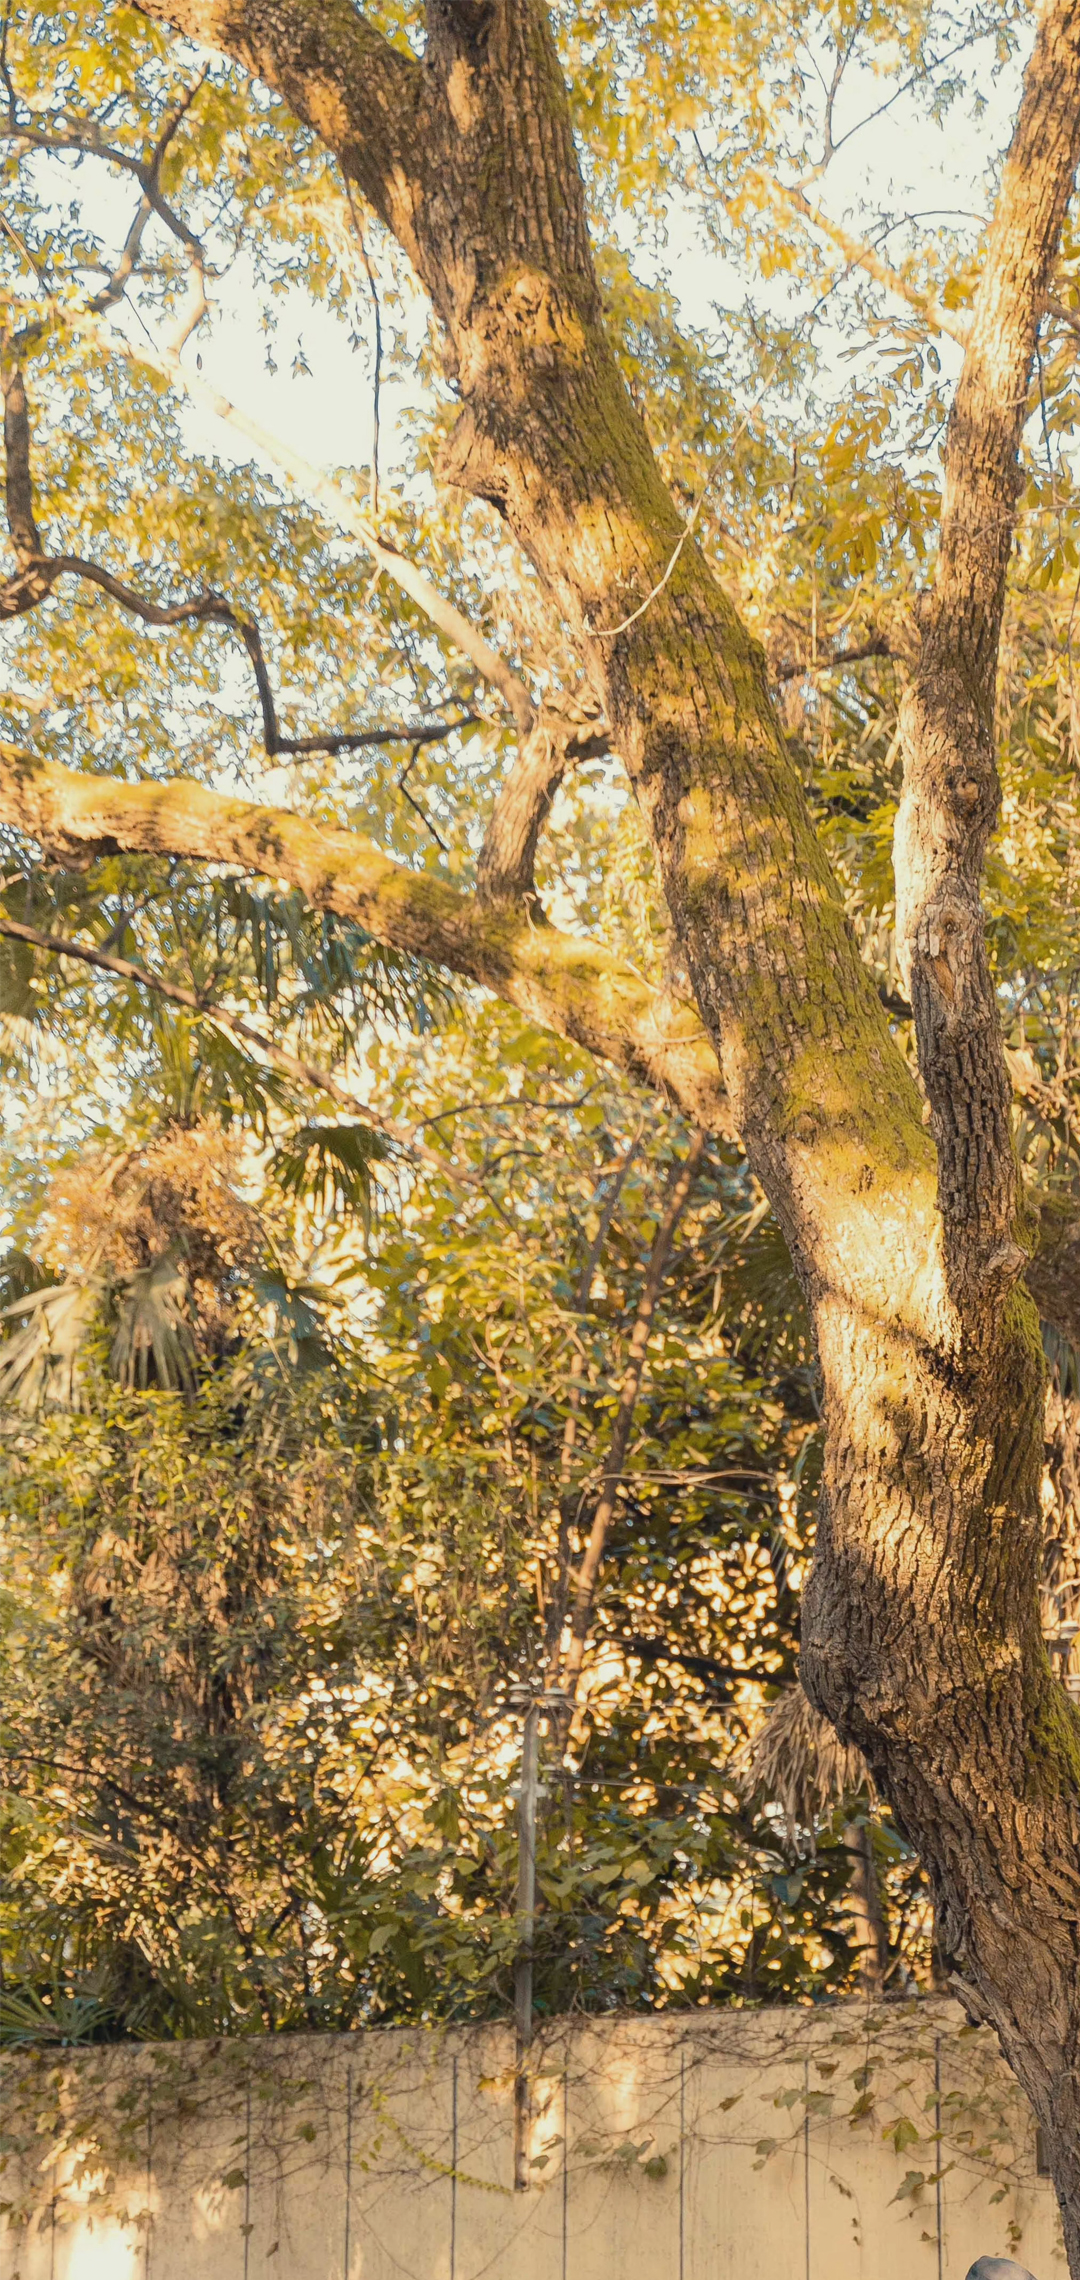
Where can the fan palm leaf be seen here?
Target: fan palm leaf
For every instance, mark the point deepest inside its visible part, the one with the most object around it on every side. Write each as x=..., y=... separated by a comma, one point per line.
x=152, y=1328
x=42, y=1364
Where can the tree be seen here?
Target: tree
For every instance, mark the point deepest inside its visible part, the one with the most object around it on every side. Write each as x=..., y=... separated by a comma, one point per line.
x=897, y=1192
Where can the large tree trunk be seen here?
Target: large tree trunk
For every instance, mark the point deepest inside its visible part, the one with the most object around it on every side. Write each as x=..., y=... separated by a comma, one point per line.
x=921, y=1634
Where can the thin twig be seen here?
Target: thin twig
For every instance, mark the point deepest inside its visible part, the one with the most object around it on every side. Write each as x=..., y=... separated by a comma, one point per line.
x=414, y=803
x=152, y=202
x=20, y=245
x=377, y=374
x=680, y=1186
x=610, y=632
x=83, y=136
x=406, y=574
x=289, y=1064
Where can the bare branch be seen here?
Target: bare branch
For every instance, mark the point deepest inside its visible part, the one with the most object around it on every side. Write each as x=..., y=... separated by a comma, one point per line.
x=173, y=121
x=550, y=745
x=862, y=255
x=843, y=57
x=504, y=871
x=148, y=173
x=443, y=615
x=22, y=524
x=403, y=787
x=38, y=574
x=795, y=668
x=1063, y=315
x=117, y=284
x=85, y=136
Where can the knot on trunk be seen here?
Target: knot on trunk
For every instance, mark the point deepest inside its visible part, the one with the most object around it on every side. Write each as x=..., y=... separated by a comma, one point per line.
x=522, y=329
x=470, y=460
x=948, y=966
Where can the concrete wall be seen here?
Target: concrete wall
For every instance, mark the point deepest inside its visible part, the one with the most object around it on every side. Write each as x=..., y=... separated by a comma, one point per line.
x=839, y=2144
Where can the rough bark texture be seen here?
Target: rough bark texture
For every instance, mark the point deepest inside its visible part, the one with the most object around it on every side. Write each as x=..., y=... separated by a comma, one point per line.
x=921, y=1635
x=30, y=584
x=505, y=869
x=950, y=794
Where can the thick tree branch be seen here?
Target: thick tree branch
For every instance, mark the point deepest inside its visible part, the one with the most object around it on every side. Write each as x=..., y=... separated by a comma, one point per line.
x=950, y=794
x=572, y=986
x=19, y=486
x=409, y=135
x=367, y=100
x=553, y=740
x=505, y=867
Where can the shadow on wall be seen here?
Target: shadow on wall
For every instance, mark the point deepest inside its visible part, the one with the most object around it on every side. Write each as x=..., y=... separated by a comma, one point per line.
x=822, y=2143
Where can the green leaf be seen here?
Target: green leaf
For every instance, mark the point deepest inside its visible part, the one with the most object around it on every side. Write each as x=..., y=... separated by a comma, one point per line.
x=330, y=1165
x=910, y=2186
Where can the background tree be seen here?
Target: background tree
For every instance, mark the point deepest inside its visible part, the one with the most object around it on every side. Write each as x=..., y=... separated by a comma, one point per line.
x=265, y=1646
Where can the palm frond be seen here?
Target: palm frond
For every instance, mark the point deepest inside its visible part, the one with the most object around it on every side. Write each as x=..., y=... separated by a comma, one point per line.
x=41, y=1366
x=65, y=2019
x=797, y=1761
x=331, y=1164
x=334, y=962
x=152, y=1327
x=299, y=1312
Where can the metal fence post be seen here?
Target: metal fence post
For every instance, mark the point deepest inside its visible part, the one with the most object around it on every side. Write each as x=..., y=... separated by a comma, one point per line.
x=526, y=1919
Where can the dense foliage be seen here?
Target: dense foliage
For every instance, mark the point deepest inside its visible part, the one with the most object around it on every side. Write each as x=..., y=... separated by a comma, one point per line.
x=265, y=1648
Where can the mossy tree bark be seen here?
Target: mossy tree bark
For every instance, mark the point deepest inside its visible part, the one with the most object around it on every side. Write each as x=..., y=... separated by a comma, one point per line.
x=921, y=1634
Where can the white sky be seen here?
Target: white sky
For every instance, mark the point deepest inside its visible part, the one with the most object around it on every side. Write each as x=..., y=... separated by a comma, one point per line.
x=902, y=162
